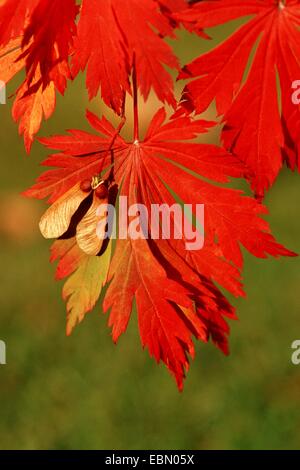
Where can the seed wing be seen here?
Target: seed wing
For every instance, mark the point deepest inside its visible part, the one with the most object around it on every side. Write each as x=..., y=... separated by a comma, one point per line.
x=56, y=220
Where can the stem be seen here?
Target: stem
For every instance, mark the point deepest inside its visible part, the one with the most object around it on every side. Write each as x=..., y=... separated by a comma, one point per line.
x=111, y=176
x=135, y=102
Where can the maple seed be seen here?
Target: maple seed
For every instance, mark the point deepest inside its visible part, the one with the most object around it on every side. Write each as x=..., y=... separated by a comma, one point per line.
x=86, y=186
x=101, y=192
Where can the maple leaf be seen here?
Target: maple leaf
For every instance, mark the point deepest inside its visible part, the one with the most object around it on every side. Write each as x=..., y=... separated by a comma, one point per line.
x=14, y=15
x=82, y=155
x=82, y=290
x=171, y=8
x=9, y=65
x=174, y=290
x=47, y=41
x=30, y=109
x=112, y=36
x=87, y=278
x=269, y=38
x=36, y=35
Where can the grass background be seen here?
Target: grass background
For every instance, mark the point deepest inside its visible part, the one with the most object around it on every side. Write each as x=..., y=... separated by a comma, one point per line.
x=85, y=393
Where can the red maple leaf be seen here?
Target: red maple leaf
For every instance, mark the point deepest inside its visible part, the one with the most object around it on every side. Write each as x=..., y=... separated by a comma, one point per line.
x=112, y=35
x=14, y=15
x=257, y=136
x=122, y=47
x=36, y=35
x=173, y=288
x=47, y=41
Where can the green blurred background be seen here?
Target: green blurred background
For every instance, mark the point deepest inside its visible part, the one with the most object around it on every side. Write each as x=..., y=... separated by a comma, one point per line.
x=85, y=393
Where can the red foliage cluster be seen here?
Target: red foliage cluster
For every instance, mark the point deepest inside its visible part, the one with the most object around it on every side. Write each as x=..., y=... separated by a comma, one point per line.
x=122, y=48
